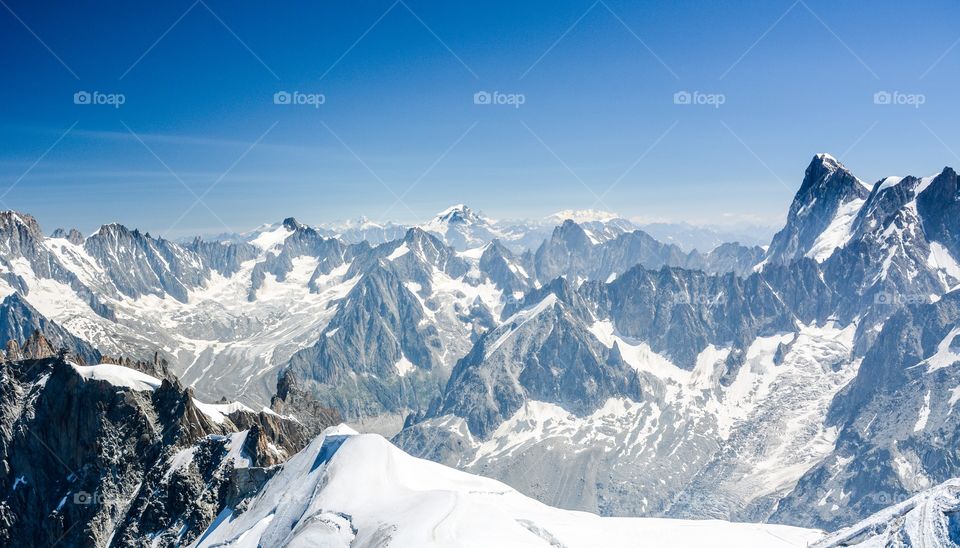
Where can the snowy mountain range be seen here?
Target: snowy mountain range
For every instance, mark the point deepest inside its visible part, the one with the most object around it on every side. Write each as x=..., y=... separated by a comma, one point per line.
x=579, y=360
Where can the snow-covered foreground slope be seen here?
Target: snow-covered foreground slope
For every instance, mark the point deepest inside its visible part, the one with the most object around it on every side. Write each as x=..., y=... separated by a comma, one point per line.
x=347, y=489
x=931, y=518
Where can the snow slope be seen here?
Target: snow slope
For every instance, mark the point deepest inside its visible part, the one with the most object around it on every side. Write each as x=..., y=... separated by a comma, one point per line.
x=118, y=375
x=927, y=519
x=347, y=489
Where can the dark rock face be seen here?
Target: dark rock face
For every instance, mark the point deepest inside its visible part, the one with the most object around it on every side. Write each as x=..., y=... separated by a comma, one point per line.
x=382, y=352
x=89, y=463
x=566, y=252
x=733, y=257
x=224, y=257
x=504, y=269
x=939, y=207
x=679, y=312
x=889, y=261
x=73, y=236
x=292, y=399
x=545, y=354
x=353, y=366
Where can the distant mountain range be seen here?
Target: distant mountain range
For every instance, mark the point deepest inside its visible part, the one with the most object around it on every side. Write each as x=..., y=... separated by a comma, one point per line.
x=581, y=360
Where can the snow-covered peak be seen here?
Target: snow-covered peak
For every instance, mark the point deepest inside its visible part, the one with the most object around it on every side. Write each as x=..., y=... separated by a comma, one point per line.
x=456, y=208
x=458, y=213
x=271, y=238
x=583, y=216
x=888, y=182
x=828, y=160
x=462, y=228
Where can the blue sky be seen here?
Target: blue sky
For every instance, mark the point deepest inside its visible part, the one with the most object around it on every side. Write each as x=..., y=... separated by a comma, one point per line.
x=598, y=126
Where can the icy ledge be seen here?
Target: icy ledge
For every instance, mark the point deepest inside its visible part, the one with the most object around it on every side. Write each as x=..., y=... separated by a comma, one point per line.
x=348, y=489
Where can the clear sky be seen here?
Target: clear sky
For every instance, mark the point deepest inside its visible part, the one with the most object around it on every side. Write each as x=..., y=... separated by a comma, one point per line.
x=199, y=145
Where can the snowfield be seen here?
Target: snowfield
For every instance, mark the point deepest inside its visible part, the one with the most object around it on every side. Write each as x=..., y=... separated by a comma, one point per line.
x=347, y=489
x=118, y=375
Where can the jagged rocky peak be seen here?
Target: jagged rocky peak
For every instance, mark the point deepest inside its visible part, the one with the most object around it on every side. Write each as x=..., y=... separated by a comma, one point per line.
x=120, y=232
x=291, y=223
x=20, y=235
x=543, y=352
x=73, y=236
x=111, y=229
x=13, y=220
x=115, y=233
x=828, y=197
x=571, y=234
x=37, y=347
x=12, y=351
x=827, y=176
x=939, y=206
x=423, y=244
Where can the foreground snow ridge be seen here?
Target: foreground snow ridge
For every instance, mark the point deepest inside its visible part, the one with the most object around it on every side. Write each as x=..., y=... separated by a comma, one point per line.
x=349, y=489
x=118, y=375
x=931, y=518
